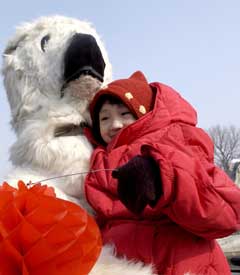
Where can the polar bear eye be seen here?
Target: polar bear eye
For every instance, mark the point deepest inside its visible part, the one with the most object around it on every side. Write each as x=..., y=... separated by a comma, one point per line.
x=44, y=41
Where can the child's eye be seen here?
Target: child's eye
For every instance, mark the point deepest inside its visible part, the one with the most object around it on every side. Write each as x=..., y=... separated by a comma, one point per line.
x=104, y=118
x=126, y=113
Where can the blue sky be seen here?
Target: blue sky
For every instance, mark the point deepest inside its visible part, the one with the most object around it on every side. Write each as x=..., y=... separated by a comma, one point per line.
x=193, y=46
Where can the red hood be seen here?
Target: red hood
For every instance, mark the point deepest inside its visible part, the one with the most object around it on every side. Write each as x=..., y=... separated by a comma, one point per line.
x=176, y=108
x=169, y=107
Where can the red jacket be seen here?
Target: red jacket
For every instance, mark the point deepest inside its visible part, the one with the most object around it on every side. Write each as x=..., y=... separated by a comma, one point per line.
x=199, y=203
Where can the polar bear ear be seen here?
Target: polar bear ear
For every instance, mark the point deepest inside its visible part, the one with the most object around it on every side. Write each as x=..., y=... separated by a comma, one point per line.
x=14, y=43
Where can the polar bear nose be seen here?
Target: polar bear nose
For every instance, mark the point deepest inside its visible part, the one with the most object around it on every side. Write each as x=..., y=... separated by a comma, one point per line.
x=83, y=56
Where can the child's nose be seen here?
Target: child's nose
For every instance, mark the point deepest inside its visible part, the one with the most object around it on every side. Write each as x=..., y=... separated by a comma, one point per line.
x=117, y=124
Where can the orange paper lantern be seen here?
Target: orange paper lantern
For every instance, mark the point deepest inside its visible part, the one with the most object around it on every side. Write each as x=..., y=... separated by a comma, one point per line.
x=43, y=235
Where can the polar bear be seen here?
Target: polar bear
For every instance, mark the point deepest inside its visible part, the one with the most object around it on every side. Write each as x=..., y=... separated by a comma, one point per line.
x=51, y=68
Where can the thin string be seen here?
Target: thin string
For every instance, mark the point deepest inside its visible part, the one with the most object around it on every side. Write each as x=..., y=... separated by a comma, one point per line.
x=69, y=175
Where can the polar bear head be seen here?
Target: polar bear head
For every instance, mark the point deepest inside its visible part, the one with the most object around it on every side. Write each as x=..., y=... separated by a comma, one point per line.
x=44, y=61
x=51, y=68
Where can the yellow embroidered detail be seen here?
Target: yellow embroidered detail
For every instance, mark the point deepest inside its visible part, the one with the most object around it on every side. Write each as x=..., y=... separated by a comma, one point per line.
x=129, y=96
x=142, y=109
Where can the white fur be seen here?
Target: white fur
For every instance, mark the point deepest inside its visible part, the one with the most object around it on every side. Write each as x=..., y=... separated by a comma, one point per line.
x=33, y=80
x=108, y=264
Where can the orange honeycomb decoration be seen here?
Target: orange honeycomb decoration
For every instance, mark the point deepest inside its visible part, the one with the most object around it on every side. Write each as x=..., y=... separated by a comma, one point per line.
x=42, y=235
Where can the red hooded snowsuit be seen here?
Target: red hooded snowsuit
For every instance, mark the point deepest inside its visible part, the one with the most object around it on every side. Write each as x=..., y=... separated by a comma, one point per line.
x=199, y=203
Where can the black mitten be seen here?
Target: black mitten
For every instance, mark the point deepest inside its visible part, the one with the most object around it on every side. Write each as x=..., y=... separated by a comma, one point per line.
x=139, y=183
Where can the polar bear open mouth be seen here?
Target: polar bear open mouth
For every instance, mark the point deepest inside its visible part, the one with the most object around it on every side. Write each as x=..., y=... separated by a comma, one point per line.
x=83, y=57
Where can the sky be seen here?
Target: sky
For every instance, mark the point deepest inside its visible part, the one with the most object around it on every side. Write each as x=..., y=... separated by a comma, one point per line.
x=193, y=46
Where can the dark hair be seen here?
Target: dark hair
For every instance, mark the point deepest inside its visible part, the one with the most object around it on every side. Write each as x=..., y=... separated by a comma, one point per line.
x=113, y=100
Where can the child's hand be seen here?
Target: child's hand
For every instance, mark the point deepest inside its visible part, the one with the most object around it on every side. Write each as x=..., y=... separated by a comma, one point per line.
x=139, y=183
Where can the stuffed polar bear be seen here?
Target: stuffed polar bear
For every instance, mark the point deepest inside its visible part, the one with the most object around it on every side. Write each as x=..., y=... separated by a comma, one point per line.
x=52, y=67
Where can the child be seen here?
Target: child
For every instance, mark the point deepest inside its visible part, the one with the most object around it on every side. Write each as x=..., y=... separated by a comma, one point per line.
x=166, y=202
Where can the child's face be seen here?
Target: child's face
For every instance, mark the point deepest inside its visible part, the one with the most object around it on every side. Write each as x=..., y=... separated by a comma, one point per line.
x=112, y=118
